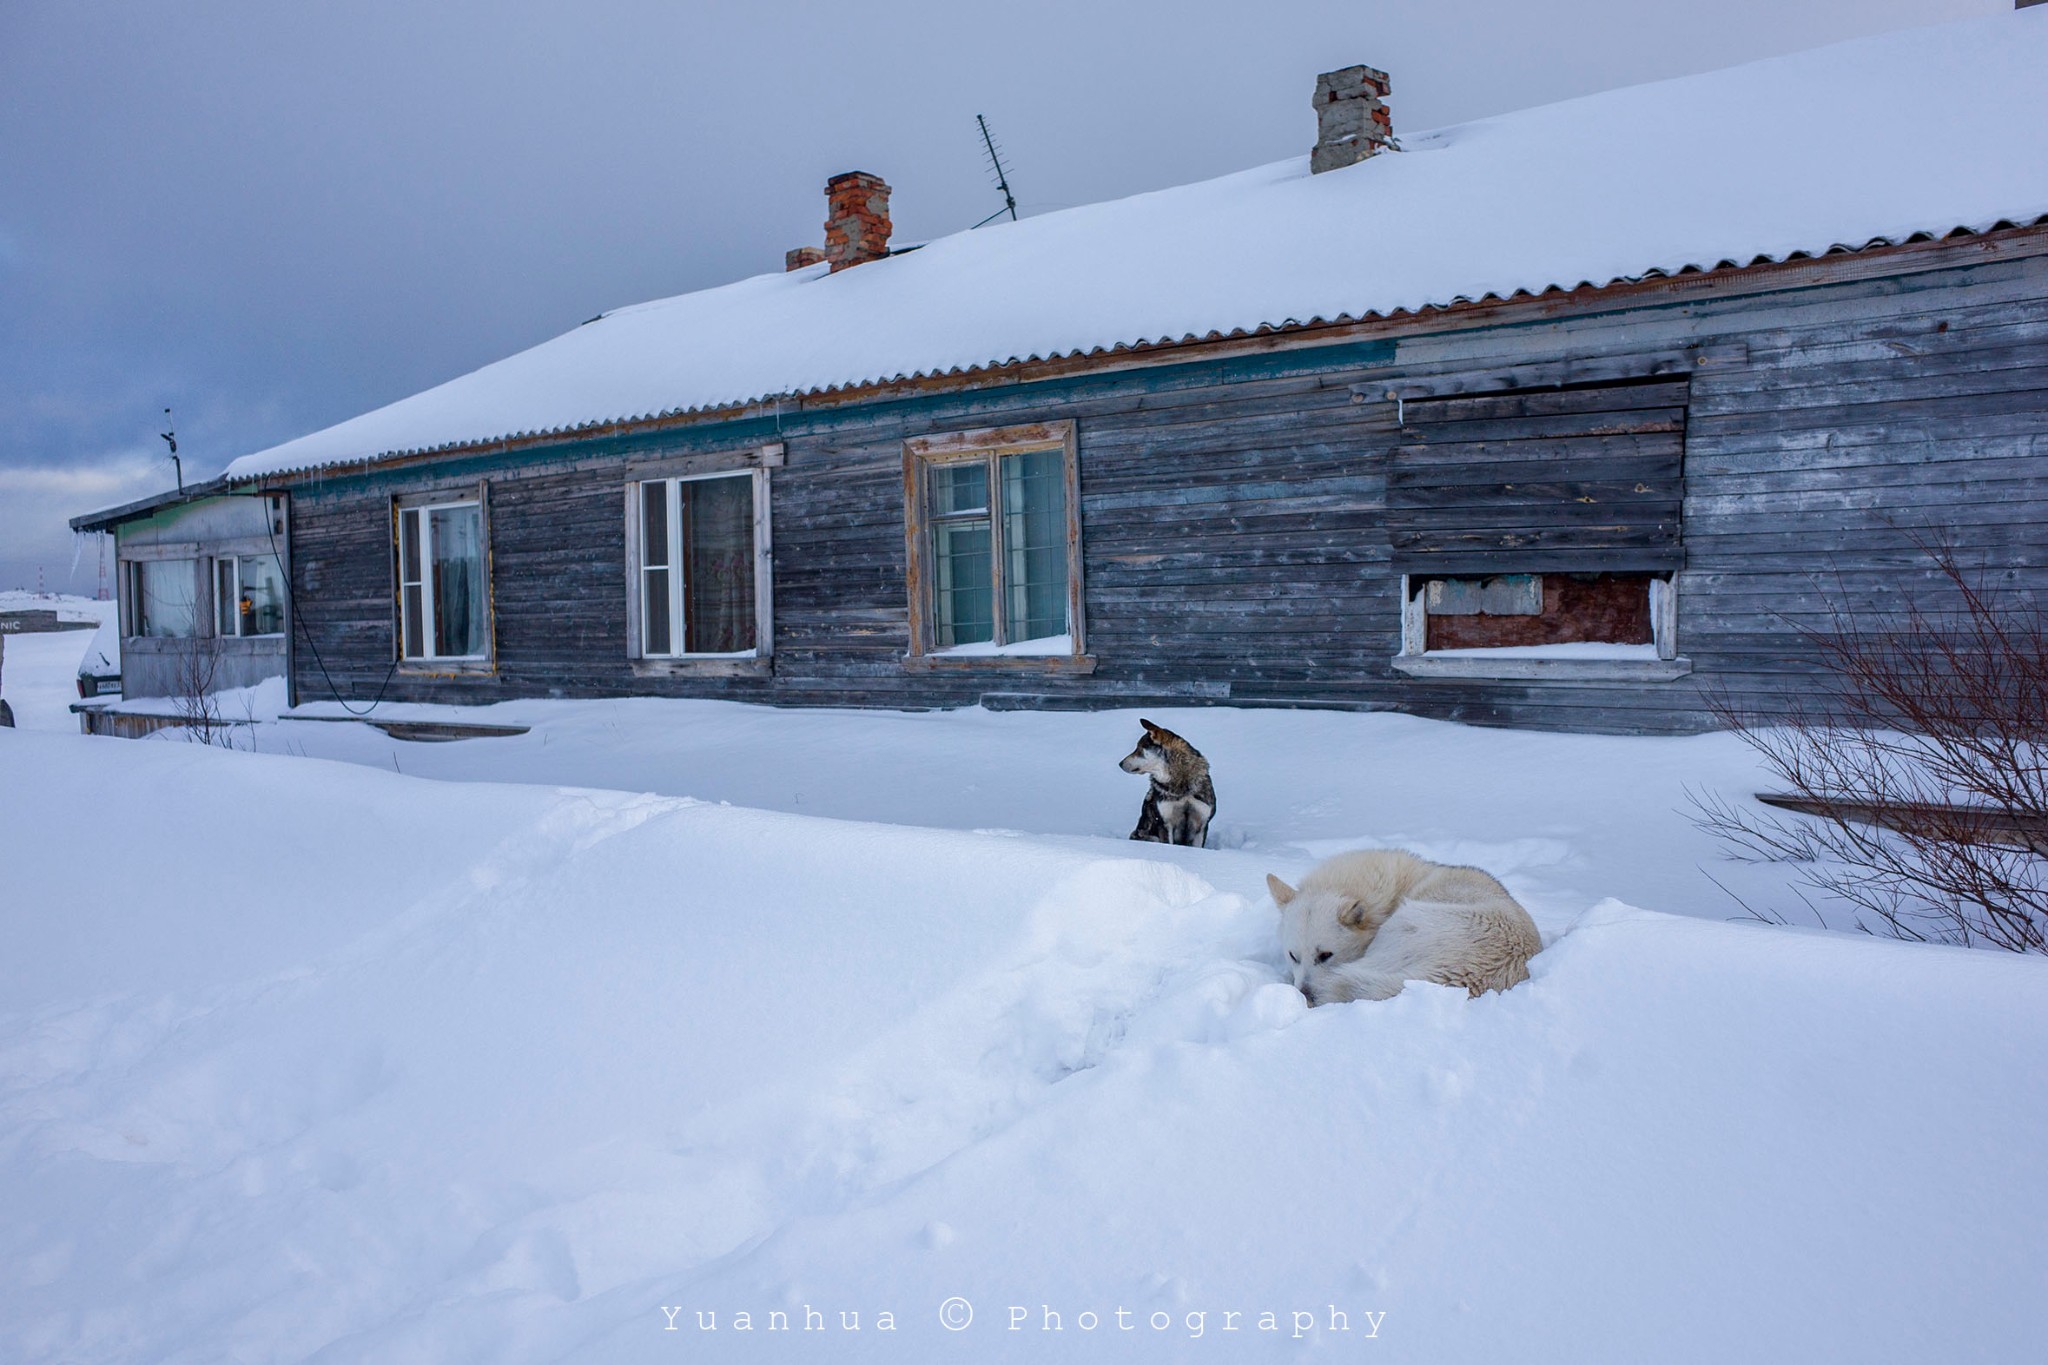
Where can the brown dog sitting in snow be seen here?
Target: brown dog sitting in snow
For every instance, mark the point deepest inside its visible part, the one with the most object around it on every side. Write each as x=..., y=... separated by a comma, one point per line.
x=1181, y=800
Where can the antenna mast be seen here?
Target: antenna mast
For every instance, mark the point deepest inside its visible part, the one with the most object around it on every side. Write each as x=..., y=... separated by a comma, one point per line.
x=171, y=439
x=995, y=161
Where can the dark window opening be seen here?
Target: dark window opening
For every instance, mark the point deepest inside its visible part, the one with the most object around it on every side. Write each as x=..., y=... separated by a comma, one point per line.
x=1495, y=612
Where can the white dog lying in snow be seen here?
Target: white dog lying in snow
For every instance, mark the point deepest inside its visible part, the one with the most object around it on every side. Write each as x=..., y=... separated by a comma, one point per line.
x=1363, y=923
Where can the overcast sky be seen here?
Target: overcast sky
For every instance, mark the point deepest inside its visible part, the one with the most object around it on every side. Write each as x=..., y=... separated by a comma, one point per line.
x=270, y=217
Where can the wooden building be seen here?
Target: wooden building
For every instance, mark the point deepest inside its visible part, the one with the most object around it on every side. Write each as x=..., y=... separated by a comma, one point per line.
x=203, y=604
x=1682, y=407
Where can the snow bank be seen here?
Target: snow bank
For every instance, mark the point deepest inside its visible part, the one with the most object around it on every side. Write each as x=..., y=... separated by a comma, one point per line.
x=348, y=1065
x=1878, y=139
x=1565, y=819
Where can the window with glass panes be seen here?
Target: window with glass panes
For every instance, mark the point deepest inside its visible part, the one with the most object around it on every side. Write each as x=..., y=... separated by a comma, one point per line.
x=999, y=548
x=697, y=580
x=441, y=589
x=163, y=598
x=248, y=595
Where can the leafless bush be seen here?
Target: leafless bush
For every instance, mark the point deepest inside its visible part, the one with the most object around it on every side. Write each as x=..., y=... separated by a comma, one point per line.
x=193, y=695
x=1922, y=760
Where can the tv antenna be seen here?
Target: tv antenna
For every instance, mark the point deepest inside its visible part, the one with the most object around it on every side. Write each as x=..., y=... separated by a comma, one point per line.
x=171, y=439
x=995, y=161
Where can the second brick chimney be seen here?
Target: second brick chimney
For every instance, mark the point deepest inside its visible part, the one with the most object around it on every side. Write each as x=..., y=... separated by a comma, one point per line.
x=1352, y=122
x=856, y=219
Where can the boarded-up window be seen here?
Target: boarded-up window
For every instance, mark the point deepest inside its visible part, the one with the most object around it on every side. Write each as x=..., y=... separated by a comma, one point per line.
x=1581, y=479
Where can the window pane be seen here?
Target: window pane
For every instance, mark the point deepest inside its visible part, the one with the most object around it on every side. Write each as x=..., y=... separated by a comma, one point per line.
x=654, y=613
x=260, y=608
x=657, y=625
x=654, y=524
x=959, y=488
x=455, y=544
x=413, y=649
x=718, y=565
x=167, y=598
x=409, y=547
x=964, y=595
x=412, y=644
x=1035, y=544
x=225, y=622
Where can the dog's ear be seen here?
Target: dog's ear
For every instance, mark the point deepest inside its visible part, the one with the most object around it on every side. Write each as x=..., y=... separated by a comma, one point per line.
x=1282, y=892
x=1352, y=913
x=1150, y=728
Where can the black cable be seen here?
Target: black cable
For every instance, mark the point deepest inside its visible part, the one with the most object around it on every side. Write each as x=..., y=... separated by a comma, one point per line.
x=292, y=603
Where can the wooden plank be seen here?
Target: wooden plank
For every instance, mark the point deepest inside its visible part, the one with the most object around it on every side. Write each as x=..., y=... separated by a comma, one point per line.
x=1562, y=494
x=1601, y=466
x=1534, y=429
x=1549, y=402
x=1664, y=447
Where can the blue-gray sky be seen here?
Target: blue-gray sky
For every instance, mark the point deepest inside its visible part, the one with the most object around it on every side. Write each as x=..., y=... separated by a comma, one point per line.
x=270, y=217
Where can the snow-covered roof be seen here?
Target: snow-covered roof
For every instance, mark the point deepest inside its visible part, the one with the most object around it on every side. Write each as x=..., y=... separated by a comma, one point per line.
x=1876, y=140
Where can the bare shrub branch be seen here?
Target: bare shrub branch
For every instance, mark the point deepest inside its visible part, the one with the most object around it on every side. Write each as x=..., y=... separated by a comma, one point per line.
x=197, y=704
x=1922, y=757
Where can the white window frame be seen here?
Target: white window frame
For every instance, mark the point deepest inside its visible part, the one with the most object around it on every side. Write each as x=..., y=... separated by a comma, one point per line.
x=423, y=509
x=637, y=569
x=234, y=565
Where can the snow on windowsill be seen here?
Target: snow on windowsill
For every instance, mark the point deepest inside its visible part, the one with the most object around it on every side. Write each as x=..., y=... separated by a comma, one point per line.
x=1044, y=645
x=1578, y=649
x=686, y=658
x=1051, y=653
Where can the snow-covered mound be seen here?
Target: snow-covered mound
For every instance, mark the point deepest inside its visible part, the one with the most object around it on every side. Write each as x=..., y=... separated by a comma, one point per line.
x=311, y=1061
x=1873, y=140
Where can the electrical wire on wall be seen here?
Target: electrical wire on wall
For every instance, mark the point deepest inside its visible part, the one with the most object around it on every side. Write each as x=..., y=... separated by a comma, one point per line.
x=292, y=601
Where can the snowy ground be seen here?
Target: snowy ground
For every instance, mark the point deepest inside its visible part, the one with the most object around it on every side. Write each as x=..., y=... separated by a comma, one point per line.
x=313, y=1060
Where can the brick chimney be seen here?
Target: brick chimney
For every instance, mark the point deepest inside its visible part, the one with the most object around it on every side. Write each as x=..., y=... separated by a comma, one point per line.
x=1352, y=123
x=856, y=219
x=796, y=258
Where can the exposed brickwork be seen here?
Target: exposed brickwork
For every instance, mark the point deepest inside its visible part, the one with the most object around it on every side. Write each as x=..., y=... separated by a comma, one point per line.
x=796, y=258
x=857, y=219
x=1352, y=122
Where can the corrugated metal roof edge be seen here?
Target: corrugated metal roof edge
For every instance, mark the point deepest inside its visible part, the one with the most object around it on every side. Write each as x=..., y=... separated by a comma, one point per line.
x=630, y=422
x=108, y=518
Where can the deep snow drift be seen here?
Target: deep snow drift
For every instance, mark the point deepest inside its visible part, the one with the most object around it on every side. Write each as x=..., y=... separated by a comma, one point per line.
x=300, y=1060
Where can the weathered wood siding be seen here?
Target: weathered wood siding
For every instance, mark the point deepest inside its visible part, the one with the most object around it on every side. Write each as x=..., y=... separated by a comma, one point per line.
x=1235, y=514
x=1570, y=480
